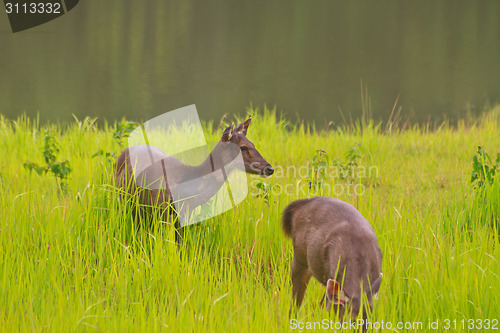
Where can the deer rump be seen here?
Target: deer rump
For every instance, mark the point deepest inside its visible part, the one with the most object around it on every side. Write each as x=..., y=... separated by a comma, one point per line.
x=147, y=197
x=334, y=243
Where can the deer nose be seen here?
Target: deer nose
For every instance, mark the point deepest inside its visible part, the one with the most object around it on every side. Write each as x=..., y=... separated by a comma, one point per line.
x=269, y=170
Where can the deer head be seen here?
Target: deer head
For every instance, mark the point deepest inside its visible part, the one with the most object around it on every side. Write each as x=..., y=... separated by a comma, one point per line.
x=344, y=303
x=253, y=160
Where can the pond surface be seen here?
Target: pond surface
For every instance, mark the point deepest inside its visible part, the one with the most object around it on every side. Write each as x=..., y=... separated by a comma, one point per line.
x=137, y=59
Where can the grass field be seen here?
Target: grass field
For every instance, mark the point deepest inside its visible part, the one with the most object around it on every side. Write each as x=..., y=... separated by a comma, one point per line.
x=74, y=260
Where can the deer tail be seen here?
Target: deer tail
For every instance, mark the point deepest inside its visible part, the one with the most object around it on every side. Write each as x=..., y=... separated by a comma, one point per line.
x=286, y=221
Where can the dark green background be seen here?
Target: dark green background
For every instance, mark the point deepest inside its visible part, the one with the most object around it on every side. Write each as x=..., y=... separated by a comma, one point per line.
x=142, y=58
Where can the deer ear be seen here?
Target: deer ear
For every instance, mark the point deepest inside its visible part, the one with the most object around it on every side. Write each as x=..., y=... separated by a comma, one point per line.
x=242, y=128
x=332, y=292
x=228, y=133
x=376, y=285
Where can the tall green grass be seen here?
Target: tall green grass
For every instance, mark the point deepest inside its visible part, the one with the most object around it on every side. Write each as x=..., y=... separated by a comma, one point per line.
x=76, y=260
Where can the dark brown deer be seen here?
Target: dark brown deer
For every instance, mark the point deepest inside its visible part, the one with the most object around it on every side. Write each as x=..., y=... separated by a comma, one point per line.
x=334, y=243
x=161, y=197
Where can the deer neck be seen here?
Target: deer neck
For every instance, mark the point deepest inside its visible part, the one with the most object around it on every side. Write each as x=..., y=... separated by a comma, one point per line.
x=201, y=182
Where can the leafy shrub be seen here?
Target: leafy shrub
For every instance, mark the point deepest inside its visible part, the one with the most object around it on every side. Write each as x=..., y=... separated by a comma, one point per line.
x=481, y=206
x=60, y=170
x=483, y=169
x=318, y=175
x=121, y=132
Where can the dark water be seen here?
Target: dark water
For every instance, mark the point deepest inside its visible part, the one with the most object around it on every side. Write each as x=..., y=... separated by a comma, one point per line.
x=139, y=59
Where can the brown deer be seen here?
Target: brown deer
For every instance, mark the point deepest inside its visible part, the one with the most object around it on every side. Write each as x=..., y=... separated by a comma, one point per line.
x=158, y=193
x=334, y=243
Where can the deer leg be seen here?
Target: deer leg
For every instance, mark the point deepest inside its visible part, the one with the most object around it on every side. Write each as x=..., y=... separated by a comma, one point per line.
x=300, y=277
x=179, y=235
x=169, y=216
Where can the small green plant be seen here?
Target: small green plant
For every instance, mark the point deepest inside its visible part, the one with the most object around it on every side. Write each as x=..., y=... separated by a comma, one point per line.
x=318, y=175
x=123, y=131
x=352, y=158
x=266, y=190
x=482, y=206
x=60, y=170
x=263, y=188
x=483, y=169
x=110, y=156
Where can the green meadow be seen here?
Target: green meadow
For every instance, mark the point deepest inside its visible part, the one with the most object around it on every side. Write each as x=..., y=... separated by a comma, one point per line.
x=73, y=259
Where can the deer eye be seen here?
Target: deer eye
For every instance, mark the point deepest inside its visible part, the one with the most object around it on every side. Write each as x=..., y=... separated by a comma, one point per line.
x=244, y=148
